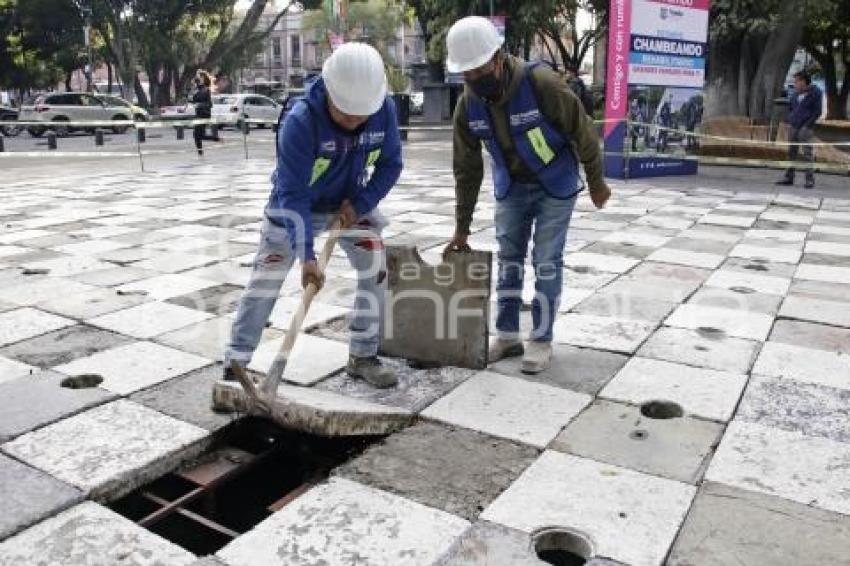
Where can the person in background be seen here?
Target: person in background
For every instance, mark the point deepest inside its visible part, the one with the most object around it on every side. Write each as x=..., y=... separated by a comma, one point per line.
x=665, y=121
x=806, y=108
x=202, y=99
x=576, y=84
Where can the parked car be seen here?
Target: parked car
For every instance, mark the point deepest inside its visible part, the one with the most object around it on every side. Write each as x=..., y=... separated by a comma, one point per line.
x=139, y=113
x=8, y=114
x=57, y=108
x=182, y=112
x=236, y=108
x=417, y=103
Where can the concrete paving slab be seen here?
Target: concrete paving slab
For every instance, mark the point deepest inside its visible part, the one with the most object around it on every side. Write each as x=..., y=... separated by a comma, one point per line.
x=164, y=287
x=134, y=366
x=813, y=410
x=704, y=393
x=188, y=398
x=759, y=267
x=624, y=305
x=319, y=313
x=579, y=369
x=175, y=262
x=828, y=248
x=806, y=365
x=90, y=304
x=63, y=346
x=13, y=369
x=628, y=516
x=618, y=434
x=742, y=299
x=104, y=452
x=714, y=218
x=508, y=407
x=600, y=262
x=207, y=338
x=819, y=290
x=29, y=496
x=448, y=468
x=727, y=525
x=31, y=292
x=342, y=522
x=312, y=359
x=216, y=300
x=602, y=332
x=149, y=319
x=20, y=324
x=416, y=388
x=780, y=254
x=809, y=470
x=36, y=400
x=825, y=273
x=776, y=235
x=722, y=353
x=113, y=276
x=827, y=312
x=767, y=284
x=714, y=320
x=688, y=258
x=90, y=534
x=812, y=335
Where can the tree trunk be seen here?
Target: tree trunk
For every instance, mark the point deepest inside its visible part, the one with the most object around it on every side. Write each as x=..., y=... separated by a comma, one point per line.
x=723, y=77
x=68, y=76
x=109, y=76
x=140, y=92
x=776, y=58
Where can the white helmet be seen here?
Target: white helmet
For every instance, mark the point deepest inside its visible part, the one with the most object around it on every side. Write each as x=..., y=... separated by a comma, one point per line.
x=472, y=42
x=356, y=80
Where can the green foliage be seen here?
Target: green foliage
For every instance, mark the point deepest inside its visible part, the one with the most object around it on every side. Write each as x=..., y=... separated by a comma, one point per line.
x=397, y=81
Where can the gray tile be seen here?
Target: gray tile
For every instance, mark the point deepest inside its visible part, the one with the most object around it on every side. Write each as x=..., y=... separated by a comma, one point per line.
x=625, y=305
x=618, y=434
x=727, y=525
x=619, y=249
x=188, y=398
x=811, y=335
x=34, y=401
x=580, y=369
x=218, y=300
x=449, y=468
x=698, y=349
x=758, y=267
x=744, y=300
x=63, y=346
x=29, y=495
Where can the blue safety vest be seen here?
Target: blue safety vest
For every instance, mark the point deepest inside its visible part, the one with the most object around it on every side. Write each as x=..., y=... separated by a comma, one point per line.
x=545, y=151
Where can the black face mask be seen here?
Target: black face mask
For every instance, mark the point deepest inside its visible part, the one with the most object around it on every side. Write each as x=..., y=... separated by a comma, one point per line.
x=487, y=86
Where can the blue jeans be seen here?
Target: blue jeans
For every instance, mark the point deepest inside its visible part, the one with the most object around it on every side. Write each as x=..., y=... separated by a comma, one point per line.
x=526, y=207
x=365, y=250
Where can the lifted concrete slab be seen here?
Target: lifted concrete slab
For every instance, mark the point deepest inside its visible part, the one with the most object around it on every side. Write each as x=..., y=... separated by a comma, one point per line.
x=64, y=346
x=727, y=525
x=449, y=468
x=316, y=411
x=438, y=313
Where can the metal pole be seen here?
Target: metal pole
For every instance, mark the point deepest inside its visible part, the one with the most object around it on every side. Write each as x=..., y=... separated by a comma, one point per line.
x=492, y=11
x=87, y=38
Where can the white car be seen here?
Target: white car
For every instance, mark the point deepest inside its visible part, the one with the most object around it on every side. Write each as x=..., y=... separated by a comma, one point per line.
x=236, y=108
x=57, y=108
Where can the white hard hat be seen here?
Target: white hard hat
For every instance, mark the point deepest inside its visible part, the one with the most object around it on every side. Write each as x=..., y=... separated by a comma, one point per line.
x=355, y=78
x=472, y=42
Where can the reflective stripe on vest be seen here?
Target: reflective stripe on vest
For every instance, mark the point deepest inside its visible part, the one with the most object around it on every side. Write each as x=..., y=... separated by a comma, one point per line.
x=373, y=157
x=541, y=146
x=320, y=167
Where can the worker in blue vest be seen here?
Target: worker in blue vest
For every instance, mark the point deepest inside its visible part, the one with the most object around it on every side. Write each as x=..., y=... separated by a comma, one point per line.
x=537, y=132
x=338, y=153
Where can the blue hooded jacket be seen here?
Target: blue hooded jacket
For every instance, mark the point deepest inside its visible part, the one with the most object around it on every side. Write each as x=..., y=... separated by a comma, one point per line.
x=320, y=164
x=805, y=112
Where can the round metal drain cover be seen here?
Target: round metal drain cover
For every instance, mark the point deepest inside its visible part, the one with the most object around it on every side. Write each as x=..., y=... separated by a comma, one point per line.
x=82, y=381
x=661, y=410
x=562, y=547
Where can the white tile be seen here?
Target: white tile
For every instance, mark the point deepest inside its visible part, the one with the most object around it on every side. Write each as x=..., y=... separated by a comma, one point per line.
x=749, y=325
x=90, y=304
x=601, y=262
x=149, y=319
x=826, y=273
x=90, y=534
x=778, y=235
x=344, y=522
x=11, y=251
x=629, y=516
x=90, y=247
x=777, y=254
x=509, y=407
x=20, y=324
x=167, y=286
x=11, y=369
x=829, y=229
x=768, y=284
x=135, y=366
x=815, y=310
x=318, y=313
x=684, y=257
x=22, y=235
x=224, y=272
x=828, y=248
x=689, y=347
x=312, y=359
x=811, y=470
x=637, y=238
x=806, y=365
x=174, y=262
x=601, y=332
x=725, y=220
x=700, y=392
x=66, y=266
x=102, y=448
x=42, y=289
x=791, y=217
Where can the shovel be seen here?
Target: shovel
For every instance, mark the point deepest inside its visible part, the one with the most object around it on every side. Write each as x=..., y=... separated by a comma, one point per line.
x=265, y=396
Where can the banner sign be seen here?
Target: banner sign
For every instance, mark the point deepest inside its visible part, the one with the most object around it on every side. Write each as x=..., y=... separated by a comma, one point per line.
x=657, y=52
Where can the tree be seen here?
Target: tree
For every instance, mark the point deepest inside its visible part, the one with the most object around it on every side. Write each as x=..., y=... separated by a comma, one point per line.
x=827, y=38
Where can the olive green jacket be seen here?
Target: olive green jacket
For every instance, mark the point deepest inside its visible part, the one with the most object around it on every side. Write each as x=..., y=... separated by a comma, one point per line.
x=560, y=107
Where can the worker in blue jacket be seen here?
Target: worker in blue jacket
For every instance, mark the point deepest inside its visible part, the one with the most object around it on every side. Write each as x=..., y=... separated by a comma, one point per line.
x=806, y=108
x=338, y=153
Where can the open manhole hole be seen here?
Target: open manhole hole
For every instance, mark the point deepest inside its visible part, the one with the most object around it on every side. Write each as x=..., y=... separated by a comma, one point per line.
x=562, y=547
x=83, y=381
x=253, y=470
x=661, y=410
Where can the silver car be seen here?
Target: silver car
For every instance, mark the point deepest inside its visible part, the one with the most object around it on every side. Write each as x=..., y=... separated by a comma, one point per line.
x=56, y=109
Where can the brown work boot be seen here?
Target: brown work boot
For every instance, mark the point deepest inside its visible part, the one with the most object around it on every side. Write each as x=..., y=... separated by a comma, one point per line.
x=372, y=371
x=502, y=348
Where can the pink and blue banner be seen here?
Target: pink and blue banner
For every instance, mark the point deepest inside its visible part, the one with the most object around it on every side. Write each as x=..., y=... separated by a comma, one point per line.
x=657, y=52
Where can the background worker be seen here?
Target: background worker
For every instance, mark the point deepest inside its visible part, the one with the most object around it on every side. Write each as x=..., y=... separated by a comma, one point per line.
x=534, y=128
x=202, y=99
x=339, y=152
x=806, y=108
